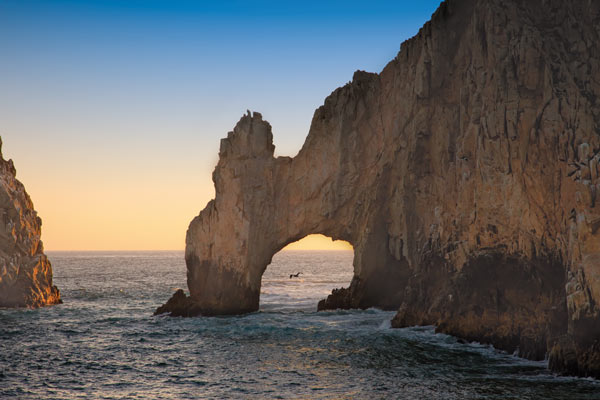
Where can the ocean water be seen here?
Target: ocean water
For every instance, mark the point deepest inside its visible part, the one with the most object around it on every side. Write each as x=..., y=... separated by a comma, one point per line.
x=104, y=343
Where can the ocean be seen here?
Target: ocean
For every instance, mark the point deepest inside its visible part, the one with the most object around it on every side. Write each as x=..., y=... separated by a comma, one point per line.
x=104, y=343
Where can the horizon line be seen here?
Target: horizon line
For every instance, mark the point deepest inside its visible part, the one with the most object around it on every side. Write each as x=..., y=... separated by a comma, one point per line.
x=168, y=250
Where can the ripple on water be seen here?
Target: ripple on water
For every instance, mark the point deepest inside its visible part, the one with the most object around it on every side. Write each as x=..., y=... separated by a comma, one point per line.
x=103, y=343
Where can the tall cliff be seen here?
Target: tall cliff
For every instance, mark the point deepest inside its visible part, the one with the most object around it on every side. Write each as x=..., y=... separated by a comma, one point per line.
x=465, y=175
x=25, y=272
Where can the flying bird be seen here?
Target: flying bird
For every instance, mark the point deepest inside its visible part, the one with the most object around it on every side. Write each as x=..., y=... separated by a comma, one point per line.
x=295, y=275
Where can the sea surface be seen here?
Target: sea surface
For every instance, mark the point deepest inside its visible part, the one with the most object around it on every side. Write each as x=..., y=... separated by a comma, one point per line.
x=104, y=343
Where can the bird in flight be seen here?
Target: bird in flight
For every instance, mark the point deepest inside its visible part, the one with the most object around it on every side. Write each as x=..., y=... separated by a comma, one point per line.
x=295, y=275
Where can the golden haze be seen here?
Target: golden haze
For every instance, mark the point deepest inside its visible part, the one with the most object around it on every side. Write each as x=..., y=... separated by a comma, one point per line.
x=318, y=242
x=124, y=213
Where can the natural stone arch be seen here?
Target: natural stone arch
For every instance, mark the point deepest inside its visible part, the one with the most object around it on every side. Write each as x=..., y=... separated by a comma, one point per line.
x=482, y=220
x=264, y=203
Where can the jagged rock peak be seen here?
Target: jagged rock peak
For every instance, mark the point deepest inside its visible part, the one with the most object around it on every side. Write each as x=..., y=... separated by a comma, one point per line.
x=251, y=137
x=25, y=271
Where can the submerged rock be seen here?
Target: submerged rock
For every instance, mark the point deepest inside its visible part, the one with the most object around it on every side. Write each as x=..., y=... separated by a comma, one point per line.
x=25, y=272
x=465, y=175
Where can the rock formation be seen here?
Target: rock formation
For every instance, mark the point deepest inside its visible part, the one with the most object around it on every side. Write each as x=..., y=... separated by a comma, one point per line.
x=25, y=272
x=465, y=175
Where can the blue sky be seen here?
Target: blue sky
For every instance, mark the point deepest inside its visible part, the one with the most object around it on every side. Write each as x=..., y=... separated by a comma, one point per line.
x=97, y=96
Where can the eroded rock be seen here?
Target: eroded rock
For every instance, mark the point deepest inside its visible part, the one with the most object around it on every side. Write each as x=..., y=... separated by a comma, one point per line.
x=25, y=272
x=179, y=305
x=464, y=175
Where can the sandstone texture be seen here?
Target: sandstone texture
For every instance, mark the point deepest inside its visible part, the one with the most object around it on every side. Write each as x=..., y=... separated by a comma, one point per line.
x=465, y=175
x=25, y=272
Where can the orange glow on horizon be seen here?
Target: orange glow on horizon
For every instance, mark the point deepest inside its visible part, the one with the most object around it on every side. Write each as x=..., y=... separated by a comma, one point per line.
x=318, y=242
x=93, y=202
x=118, y=215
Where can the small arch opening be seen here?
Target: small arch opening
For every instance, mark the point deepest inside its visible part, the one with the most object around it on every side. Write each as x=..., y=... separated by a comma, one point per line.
x=305, y=272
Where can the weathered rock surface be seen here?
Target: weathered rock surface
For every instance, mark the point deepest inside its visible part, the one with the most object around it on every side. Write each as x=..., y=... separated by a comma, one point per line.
x=25, y=272
x=465, y=175
x=179, y=305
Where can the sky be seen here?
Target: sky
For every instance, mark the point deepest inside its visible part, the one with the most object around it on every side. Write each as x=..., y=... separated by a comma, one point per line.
x=112, y=110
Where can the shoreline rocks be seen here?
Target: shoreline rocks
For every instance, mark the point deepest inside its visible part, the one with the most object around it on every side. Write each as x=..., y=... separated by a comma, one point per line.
x=25, y=272
x=179, y=305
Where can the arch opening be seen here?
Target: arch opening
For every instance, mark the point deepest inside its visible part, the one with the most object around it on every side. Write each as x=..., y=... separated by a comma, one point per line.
x=304, y=272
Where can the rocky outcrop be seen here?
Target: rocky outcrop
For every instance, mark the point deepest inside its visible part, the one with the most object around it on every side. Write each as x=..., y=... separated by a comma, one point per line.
x=25, y=272
x=179, y=305
x=465, y=175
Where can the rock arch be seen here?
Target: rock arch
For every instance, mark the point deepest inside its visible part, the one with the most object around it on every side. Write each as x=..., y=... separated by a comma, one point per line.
x=465, y=175
x=267, y=204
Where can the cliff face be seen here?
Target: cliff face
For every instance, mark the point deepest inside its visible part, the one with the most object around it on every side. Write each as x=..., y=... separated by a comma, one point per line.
x=25, y=272
x=465, y=175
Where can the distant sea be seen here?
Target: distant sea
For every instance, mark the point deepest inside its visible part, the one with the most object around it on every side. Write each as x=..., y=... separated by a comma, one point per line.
x=104, y=343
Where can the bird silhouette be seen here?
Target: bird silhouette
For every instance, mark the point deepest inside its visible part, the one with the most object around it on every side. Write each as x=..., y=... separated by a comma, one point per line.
x=295, y=275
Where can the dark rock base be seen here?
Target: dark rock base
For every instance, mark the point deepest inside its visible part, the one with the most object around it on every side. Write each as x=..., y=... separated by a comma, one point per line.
x=179, y=305
x=568, y=358
x=338, y=299
x=513, y=303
